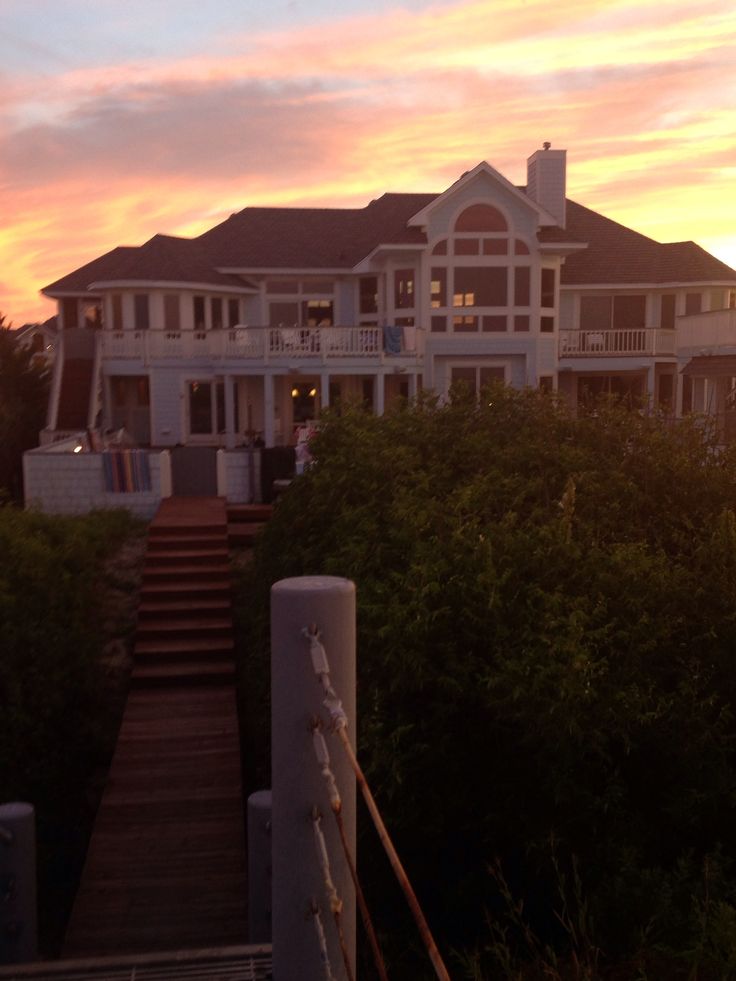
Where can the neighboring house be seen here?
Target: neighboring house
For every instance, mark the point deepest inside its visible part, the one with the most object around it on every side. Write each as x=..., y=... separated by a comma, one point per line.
x=39, y=338
x=257, y=324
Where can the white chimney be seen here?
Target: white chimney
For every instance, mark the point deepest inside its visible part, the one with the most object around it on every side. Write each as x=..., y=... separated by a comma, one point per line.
x=546, y=179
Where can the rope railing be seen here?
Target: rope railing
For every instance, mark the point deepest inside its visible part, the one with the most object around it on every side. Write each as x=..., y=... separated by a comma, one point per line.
x=338, y=724
x=314, y=912
x=332, y=894
x=323, y=759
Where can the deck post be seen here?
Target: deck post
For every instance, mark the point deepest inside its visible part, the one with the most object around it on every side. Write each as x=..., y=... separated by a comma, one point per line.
x=18, y=918
x=259, y=867
x=298, y=785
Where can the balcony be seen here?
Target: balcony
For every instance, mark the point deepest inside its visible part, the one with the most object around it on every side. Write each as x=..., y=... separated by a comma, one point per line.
x=616, y=343
x=261, y=344
x=711, y=333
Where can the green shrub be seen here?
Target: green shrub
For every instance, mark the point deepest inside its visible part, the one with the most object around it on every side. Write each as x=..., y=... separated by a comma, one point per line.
x=546, y=643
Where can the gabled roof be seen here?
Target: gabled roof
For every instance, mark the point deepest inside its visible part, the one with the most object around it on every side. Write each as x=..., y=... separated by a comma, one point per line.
x=337, y=239
x=312, y=238
x=617, y=254
x=162, y=259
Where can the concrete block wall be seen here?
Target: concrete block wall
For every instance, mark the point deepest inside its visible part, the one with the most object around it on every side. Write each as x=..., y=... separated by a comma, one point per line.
x=74, y=483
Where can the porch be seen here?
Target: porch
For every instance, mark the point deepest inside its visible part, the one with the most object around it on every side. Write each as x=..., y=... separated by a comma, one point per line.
x=633, y=342
x=265, y=345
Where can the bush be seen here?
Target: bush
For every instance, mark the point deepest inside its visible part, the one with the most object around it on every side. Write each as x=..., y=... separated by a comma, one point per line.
x=546, y=639
x=55, y=724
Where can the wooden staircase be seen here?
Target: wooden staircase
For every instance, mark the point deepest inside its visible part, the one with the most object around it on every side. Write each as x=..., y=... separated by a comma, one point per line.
x=246, y=521
x=185, y=630
x=166, y=868
x=75, y=393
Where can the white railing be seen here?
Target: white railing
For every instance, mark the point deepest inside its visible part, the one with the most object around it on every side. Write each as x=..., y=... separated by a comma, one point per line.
x=256, y=343
x=716, y=329
x=612, y=343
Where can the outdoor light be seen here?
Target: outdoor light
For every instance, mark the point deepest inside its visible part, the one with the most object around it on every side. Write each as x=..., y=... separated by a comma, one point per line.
x=312, y=392
x=295, y=392
x=77, y=448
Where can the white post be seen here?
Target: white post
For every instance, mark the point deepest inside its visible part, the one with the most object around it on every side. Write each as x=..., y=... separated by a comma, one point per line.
x=298, y=785
x=18, y=924
x=379, y=398
x=221, y=469
x=229, y=412
x=268, y=410
x=259, y=867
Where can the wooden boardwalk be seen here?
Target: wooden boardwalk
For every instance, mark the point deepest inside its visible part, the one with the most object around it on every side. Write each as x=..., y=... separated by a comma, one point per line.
x=165, y=868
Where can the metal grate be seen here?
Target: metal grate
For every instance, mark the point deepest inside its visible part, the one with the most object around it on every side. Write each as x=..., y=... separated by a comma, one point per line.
x=248, y=963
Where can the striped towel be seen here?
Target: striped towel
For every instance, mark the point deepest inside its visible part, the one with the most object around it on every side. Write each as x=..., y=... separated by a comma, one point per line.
x=126, y=470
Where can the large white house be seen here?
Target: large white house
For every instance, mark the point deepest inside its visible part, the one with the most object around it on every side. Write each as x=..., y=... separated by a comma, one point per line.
x=257, y=324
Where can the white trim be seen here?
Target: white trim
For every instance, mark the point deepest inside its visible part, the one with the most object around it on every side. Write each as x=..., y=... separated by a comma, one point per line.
x=636, y=287
x=545, y=218
x=283, y=270
x=159, y=284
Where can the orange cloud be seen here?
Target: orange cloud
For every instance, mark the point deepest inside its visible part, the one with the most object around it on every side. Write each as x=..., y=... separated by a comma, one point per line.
x=340, y=110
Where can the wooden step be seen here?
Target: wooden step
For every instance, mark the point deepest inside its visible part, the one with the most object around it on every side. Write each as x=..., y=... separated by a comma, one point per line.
x=187, y=673
x=183, y=646
x=184, y=591
x=174, y=608
x=185, y=556
x=205, y=572
x=185, y=528
x=174, y=541
x=244, y=533
x=193, y=626
x=249, y=512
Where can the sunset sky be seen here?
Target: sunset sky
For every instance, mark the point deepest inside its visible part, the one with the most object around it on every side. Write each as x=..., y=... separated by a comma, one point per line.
x=122, y=118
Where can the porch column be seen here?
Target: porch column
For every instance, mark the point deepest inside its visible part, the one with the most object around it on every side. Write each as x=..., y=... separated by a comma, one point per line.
x=268, y=410
x=413, y=378
x=379, y=399
x=324, y=389
x=650, y=386
x=229, y=412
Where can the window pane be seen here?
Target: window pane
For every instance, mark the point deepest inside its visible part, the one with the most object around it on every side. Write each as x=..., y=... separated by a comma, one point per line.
x=317, y=313
x=521, y=324
x=198, y=305
x=489, y=375
x=233, y=312
x=171, y=312
x=464, y=377
x=693, y=303
x=140, y=305
x=495, y=246
x=667, y=312
x=629, y=312
x=282, y=286
x=216, y=312
x=403, y=288
x=439, y=325
x=92, y=315
x=595, y=312
x=522, y=279
x=200, y=408
x=547, y=325
x=548, y=287
x=521, y=248
x=461, y=324
x=479, y=287
x=117, y=311
x=494, y=323
x=369, y=294
x=70, y=312
x=467, y=246
x=317, y=287
x=280, y=314
x=440, y=248
x=438, y=288
x=481, y=218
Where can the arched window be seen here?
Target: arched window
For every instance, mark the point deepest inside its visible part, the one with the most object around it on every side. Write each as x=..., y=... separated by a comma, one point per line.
x=481, y=218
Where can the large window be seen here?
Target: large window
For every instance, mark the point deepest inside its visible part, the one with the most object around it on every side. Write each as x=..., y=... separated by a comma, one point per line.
x=667, y=311
x=403, y=289
x=172, y=320
x=141, y=311
x=479, y=286
x=548, y=287
x=626, y=312
x=476, y=377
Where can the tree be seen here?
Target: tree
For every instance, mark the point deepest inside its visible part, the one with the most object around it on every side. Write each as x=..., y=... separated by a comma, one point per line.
x=24, y=389
x=546, y=640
